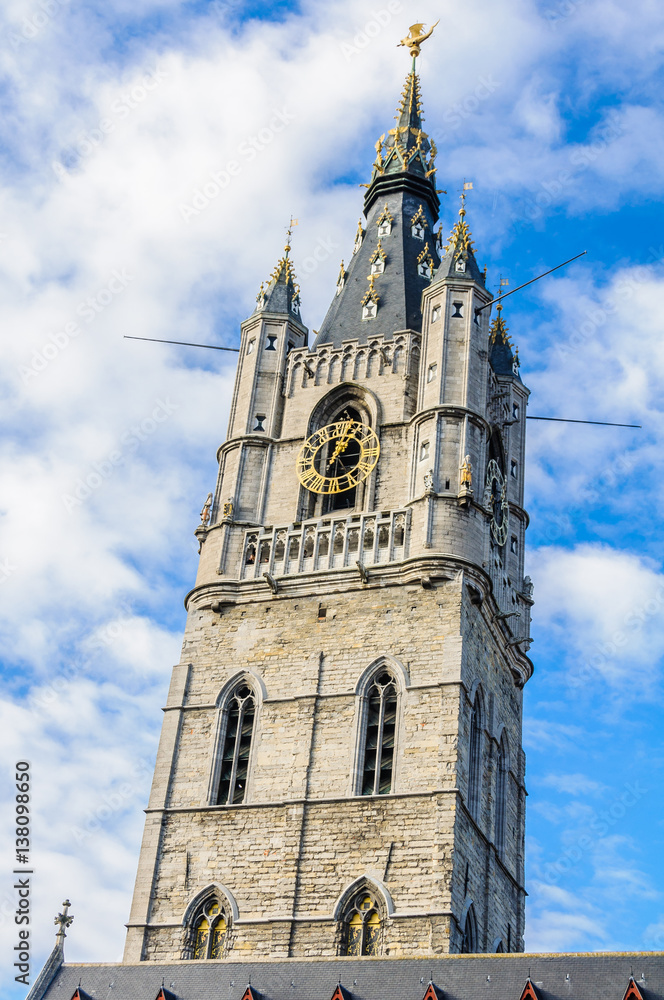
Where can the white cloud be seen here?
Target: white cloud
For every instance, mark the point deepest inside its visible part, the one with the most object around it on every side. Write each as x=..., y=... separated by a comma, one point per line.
x=605, y=608
x=572, y=784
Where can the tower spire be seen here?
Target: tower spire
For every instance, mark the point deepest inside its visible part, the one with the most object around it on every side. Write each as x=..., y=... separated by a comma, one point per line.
x=503, y=360
x=282, y=294
x=458, y=253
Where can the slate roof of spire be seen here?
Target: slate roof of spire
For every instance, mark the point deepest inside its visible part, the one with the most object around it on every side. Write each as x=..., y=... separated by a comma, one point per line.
x=282, y=294
x=403, y=183
x=459, y=248
x=456, y=977
x=406, y=147
x=502, y=359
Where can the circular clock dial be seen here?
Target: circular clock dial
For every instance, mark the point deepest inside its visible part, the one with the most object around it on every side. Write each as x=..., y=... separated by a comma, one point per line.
x=337, y=457
x=495, y=499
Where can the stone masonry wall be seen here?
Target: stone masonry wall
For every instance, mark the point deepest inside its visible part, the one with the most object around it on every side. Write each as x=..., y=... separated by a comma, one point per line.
x=303, y=836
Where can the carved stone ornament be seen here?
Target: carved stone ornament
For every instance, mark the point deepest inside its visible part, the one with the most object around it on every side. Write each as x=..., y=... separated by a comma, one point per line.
x=428, y=482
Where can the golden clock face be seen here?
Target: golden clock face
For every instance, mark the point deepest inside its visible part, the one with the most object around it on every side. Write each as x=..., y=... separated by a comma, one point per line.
x=337, y=457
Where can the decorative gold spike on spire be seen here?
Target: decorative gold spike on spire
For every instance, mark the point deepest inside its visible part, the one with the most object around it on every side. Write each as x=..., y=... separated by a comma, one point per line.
x=460, y=238
x=371, y=295
x=498, y=329
x=359, y=236
x=415, y=37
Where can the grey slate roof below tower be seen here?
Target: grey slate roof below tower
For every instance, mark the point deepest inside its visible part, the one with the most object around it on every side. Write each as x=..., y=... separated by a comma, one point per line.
x=456, y=977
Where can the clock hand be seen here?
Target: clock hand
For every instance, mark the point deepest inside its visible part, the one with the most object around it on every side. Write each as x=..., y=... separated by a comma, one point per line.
x=343, y=442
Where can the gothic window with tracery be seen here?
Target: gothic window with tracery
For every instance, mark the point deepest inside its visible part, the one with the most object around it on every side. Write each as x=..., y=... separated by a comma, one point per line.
x=363, y=925
x=241, y=712
x=378, y=757
x=210, y=930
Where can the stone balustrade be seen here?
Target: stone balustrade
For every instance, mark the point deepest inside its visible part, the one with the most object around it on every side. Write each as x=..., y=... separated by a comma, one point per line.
x=327, y=543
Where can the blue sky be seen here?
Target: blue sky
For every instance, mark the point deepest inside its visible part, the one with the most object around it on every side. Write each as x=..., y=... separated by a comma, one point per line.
x=114, y=116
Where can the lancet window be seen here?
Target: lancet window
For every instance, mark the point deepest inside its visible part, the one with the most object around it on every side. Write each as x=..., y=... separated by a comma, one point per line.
x=501, y=795
x=475, y=758
x=379, y=735
x=210, y=929
x=469, y=942
x=363, y=925
x=237, y=737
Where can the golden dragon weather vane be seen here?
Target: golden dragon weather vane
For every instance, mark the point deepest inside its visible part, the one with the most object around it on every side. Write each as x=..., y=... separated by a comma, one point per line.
x=413, y=41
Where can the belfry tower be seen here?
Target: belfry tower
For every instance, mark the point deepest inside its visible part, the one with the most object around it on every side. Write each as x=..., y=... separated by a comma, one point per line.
x=340, y=770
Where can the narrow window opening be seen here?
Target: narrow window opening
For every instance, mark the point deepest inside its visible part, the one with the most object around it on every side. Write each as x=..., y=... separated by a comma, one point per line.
x=435, y=314
x=260, y=422
x=447, y=484
x=469, y=943
x=514, y=545
x=369, y=311
x=271, y=341
x=478, y=313
x=501, y=798
x=379, y=738
x=431, y=373
x=515, y=410
x=457, y=314
x=475, y=759
x=513, y=469
x=251, y=346
x=424, y=450
x=237, y=747
x=294, y=548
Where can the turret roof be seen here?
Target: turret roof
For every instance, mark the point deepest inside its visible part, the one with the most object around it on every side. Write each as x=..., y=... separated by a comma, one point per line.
x=282, y=294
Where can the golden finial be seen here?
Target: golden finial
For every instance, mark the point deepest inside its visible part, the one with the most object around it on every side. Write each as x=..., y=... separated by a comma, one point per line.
x=289, y=234
x=415, y=37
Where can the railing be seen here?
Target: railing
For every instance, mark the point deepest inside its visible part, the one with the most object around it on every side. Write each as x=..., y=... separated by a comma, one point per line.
x=326, y=543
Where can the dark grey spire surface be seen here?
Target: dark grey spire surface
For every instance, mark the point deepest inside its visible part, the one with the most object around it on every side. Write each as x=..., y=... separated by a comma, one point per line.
x=395, y=253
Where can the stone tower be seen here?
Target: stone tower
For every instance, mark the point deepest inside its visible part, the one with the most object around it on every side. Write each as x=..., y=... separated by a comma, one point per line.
x=340, y=769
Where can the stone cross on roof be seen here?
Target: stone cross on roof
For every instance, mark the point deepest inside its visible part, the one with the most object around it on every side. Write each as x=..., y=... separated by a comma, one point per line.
x=63, y=920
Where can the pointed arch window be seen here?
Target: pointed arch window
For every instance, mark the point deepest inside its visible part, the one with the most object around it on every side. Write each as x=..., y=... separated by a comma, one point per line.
x=475, y=758
x=210, y=931
x=379, y=736
x=363, y=925
x=501, y=795
x=469, y=942
x=239, y=730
